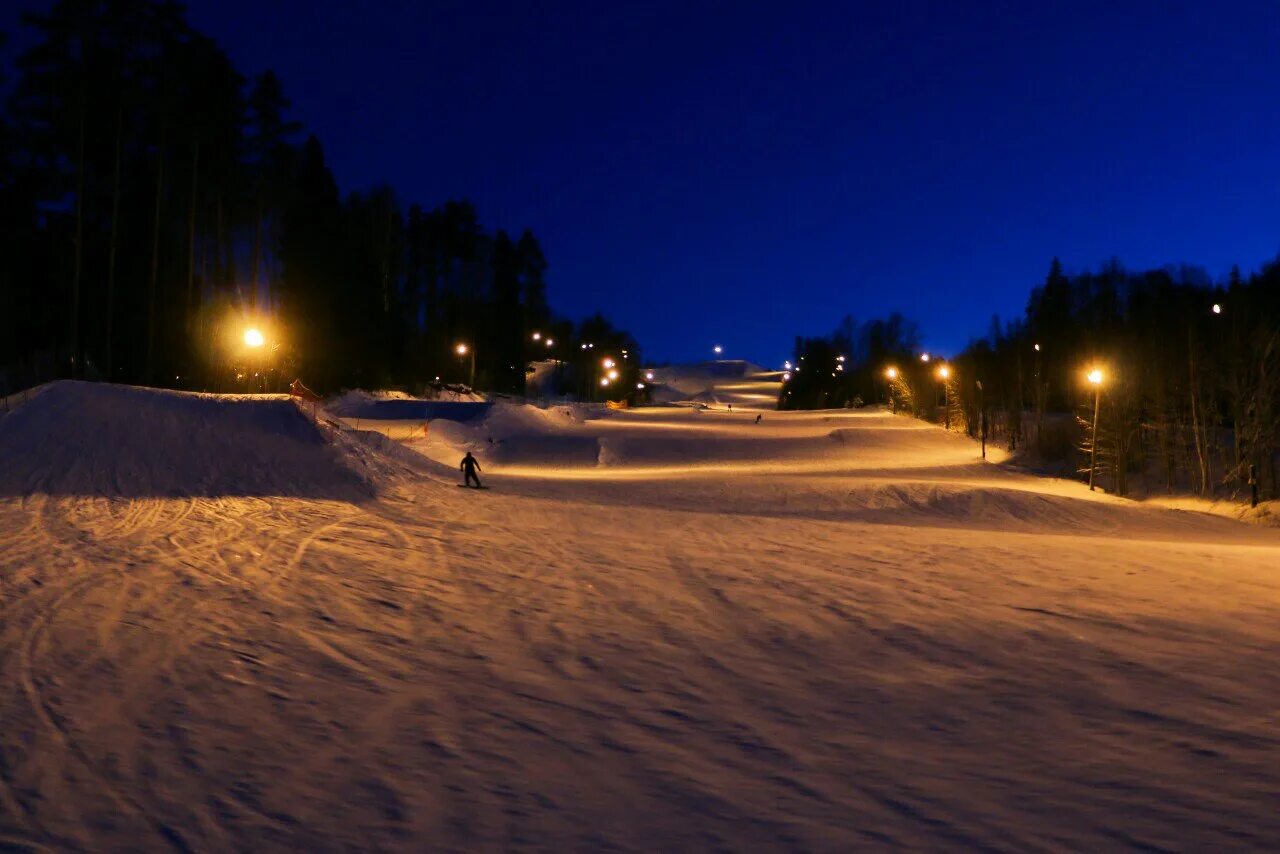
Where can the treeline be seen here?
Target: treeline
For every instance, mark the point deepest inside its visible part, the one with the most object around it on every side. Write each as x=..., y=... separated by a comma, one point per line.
x=846, y=368
x=157, y=204
x=1189, y=370
x=1188, y=379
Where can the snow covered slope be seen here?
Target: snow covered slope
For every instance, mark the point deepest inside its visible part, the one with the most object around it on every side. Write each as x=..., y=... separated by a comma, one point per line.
x=722, y=383
x=75, y=438
x=659, y=629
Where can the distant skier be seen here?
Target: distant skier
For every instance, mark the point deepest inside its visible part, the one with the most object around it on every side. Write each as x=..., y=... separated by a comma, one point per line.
x=758, y=417
x=731, y=407
x=469, y=467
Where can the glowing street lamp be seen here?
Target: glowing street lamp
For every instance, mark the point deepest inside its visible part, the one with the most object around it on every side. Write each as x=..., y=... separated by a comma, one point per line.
x=463, y=350
x=1095, y=378
x=1217, y=308
x=1037, y=346
x=891, y=373
x=537, y=336
x=718, y=349
x=608, y=363
x=924, y=357
x=253, y=338
x=944, y=374
x=604, y=381
x=550, y=343
x=648, y=375
x=613, y=375
x=786, y=378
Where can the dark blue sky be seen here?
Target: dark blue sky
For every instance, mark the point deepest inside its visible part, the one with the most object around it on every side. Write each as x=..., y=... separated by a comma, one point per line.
x=741, y=172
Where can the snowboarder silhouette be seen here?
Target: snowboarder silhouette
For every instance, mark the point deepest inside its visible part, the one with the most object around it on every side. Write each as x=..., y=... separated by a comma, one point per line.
x=758, y=417
x=469, y=467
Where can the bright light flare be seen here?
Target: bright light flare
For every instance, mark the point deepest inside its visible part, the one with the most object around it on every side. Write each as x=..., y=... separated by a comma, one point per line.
x=944, y=372
x=648, y=375
x=786, y=378
x=608, y=363
x=604, y=381
x=924, y=357
x=891, y=373
x=1037, y=348
x=537, y=336
x=551, y=342
x=461, y=349
x=1217, y=309
x=1095, y=376
x=253, y=338
x=613, y=375
x=718, y=349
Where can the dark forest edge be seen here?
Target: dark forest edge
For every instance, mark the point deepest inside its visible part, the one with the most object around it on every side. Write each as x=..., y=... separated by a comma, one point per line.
x=158, y=205
x=1189, y=371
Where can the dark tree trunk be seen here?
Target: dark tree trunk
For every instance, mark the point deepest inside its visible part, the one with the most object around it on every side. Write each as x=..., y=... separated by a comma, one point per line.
x=74, y=332
x=191, y=232
x=155, y=269
x=111, y=252
x=257, y=252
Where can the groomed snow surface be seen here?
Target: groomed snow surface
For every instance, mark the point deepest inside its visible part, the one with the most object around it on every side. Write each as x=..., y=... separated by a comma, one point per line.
x=241, y=624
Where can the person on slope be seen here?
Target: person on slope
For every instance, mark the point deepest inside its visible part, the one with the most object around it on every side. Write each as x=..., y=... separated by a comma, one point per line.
x=758, y=417
x=469, y=466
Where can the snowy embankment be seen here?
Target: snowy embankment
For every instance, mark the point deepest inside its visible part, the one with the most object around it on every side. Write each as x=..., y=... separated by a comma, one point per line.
x=74, y=438
x=823, y=631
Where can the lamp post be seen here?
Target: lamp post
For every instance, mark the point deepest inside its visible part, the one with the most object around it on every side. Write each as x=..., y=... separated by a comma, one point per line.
x=891, y=374
x=944, y=373
x=982, y=417
x=463, y=350
x=1095, y=378
x=254, y=341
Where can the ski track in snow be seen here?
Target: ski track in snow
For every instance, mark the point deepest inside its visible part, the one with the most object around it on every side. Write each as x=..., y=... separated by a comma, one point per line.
x=732, y=636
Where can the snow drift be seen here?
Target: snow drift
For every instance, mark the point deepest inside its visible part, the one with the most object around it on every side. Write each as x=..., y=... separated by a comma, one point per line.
x=390, y=405
x=77, y=438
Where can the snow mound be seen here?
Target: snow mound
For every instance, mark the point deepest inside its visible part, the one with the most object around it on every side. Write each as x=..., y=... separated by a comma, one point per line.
x=77, y=438
x=413, y=409
x=398, y=405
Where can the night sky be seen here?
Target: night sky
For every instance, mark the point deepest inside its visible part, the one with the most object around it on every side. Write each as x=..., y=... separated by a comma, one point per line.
x=740, y=172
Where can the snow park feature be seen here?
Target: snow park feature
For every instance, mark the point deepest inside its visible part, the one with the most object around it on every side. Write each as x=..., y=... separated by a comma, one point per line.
x=226, y=624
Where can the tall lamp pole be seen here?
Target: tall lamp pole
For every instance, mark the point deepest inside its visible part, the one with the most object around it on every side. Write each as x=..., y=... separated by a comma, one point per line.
x=1095, y=378
x=462, y=350
x=944, y=374
x=982, y=417
x=891, y=374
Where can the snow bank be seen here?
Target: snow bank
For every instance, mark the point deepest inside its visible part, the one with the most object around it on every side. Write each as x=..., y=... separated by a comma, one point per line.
x=393, y=405
x=77, y=438
x=372, y=407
